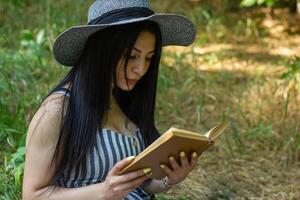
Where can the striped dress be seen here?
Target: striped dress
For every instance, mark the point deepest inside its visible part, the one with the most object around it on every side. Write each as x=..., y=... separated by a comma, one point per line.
x=110, y=148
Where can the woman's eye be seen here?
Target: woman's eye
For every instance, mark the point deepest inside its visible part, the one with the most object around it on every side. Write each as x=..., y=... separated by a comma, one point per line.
x=132, y=57
x=148, y=59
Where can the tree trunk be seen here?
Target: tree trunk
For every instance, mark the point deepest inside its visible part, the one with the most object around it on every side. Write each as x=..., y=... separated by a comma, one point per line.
x=295, y=6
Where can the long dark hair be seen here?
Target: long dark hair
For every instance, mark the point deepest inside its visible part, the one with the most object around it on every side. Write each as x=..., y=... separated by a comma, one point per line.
x=91, y=81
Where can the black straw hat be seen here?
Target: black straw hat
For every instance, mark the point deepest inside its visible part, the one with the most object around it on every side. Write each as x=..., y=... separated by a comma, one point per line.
x=175, y=29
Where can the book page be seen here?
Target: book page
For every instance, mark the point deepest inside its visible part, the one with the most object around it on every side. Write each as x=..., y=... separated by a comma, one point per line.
x=189, y=134
x=214, y=133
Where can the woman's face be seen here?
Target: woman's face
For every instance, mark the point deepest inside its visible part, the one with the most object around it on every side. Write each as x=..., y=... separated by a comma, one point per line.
x=138, y=61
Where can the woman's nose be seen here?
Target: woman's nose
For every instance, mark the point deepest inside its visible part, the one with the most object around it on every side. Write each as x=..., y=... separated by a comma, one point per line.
x=141, y=67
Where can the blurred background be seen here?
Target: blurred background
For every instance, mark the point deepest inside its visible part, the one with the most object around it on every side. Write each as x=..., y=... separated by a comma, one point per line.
x=244, y=67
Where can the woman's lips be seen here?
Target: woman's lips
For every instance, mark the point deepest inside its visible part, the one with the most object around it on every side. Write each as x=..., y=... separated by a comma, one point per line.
x=131, y=81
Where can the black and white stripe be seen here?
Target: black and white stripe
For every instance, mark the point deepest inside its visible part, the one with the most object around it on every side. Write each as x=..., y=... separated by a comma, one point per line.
x=110, y=148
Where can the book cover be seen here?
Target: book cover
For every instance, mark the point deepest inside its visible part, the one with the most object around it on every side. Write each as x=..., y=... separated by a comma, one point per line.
x=171, y=143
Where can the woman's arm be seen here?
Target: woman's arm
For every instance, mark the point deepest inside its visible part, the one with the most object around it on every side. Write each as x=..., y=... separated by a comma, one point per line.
x=42, y=137
x=154, y=187
x=41, y=141
x=92, y=192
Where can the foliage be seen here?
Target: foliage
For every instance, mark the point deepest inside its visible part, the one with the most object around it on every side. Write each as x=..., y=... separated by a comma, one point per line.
x=249, y=3
x=22, y=70
x=8, y=190
x=16, y=165
x=293, y=69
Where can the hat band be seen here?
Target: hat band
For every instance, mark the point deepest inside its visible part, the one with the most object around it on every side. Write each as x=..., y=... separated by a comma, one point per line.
x=122, y=15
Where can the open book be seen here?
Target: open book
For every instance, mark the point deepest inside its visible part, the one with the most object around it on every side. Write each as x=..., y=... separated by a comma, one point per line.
x=171, y=143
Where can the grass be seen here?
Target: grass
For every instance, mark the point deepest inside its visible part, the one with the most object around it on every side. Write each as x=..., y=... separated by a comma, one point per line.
x=232, y=71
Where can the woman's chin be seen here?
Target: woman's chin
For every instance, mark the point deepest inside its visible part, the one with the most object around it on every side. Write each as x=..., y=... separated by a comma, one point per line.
x=126, y=88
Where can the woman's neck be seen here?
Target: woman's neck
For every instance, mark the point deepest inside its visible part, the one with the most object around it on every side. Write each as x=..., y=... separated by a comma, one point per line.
x=117, y=119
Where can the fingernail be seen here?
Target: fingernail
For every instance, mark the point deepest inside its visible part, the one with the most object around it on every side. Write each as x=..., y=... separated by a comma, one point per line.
x=146, y=170
x=162, y=166
x=130, y=158
x=194, y=155
x=182, y=154
x=172, y=158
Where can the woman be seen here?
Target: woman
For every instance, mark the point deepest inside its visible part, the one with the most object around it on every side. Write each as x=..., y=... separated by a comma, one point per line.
x=93, y=123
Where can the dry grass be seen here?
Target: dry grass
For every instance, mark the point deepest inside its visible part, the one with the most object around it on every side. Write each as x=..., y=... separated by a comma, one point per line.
x=222, y=176
x=258, y=157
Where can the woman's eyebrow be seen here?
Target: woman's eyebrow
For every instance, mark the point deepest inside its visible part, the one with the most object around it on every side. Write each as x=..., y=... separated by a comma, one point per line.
x=140, y=51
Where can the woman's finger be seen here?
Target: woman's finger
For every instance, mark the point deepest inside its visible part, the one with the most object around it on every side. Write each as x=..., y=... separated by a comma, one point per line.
x=194, y=159
x=184, y=161
x=173, y=163
x=133, y=175
x=166, y=169
x=120, y=165
x=130, y=185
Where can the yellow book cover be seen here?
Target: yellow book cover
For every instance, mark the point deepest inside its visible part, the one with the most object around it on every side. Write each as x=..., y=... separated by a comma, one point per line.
x=171, y=143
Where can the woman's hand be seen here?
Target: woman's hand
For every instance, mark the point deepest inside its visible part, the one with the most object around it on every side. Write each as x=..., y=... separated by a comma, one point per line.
x=118, y=186
x=179, y=171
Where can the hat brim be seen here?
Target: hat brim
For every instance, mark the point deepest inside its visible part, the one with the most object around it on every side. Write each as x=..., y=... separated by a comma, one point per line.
x=175, y=30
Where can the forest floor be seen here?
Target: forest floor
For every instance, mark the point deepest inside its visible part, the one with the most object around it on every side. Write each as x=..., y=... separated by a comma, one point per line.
x=241, y=73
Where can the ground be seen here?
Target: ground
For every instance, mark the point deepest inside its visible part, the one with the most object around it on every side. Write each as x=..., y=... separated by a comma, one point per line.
x=237, y=76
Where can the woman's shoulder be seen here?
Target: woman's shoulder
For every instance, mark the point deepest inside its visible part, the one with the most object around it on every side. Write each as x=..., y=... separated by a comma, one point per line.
x=56, y=102
x=47, y=119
